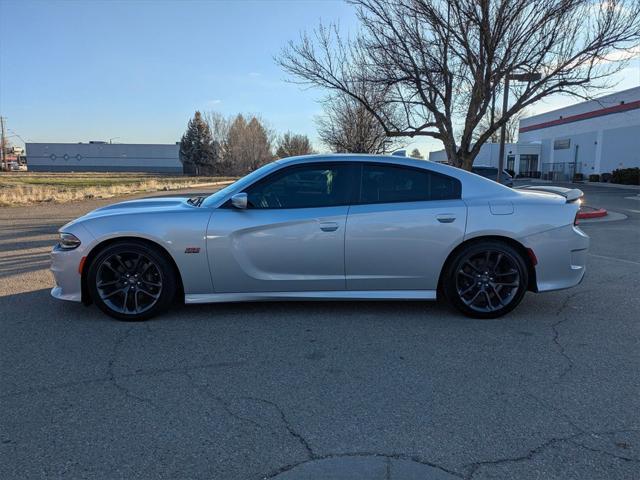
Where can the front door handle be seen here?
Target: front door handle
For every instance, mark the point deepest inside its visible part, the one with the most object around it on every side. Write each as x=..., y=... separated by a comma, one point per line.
x=328, y=226
x=446, y=218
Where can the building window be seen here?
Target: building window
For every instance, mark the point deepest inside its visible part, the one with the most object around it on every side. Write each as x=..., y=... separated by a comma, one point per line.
x=562, y=144
x=529, y=165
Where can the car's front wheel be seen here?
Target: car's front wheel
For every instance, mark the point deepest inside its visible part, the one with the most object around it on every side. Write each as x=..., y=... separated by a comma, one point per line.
x=486, y=279
x=131, y=280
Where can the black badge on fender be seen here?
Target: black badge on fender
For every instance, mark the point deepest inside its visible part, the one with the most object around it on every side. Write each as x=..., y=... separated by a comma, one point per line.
x=192, y=250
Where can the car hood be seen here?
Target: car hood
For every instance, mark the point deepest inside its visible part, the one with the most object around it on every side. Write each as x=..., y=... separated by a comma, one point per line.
x=146, y=205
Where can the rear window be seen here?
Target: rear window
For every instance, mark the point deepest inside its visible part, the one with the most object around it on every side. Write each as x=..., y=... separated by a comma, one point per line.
x=485, y=171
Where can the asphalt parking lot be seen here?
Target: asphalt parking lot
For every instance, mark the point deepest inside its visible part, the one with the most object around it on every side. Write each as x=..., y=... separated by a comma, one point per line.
x=389, y=390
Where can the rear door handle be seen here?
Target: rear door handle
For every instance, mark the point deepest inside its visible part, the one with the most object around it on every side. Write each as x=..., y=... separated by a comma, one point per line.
x=446, y=218
x=328, y=226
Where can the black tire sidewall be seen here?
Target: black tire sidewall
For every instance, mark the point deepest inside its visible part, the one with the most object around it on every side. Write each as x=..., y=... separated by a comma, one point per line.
x=167, y=273
x=449, y=283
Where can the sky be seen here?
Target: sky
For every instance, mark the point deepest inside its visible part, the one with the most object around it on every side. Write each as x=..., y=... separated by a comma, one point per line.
x=136, y=71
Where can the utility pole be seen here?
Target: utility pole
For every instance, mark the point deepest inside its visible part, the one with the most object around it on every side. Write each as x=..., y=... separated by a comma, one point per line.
x=2, y=140
x=505, y=106
x=521, y=77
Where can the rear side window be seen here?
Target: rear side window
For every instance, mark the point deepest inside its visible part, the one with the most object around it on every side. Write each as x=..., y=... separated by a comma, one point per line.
x=392, y=184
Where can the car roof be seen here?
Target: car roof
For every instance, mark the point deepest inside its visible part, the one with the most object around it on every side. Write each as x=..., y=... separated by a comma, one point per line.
x=473, y=185
x=365, y=157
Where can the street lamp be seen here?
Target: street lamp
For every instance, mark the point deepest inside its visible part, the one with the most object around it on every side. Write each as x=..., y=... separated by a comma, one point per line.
x=520, y=77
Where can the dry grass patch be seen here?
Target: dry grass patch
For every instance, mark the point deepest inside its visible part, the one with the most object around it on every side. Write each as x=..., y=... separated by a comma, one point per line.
x=22, y=188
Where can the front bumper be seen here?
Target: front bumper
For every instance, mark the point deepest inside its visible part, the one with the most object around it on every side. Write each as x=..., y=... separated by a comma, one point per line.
x=65, y=268
x=562, y=257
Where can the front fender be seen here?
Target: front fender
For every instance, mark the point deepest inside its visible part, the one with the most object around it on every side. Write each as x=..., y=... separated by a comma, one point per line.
x=181, y=234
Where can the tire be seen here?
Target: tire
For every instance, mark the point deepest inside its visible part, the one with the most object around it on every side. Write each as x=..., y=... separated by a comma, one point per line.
x=486, y=279
x=131, y=281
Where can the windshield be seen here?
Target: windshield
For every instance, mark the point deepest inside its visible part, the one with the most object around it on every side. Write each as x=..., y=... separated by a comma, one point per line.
x=239, y=184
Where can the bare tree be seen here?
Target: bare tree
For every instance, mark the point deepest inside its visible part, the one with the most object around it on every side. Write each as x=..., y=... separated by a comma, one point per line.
x=248, y=145
x=219, y=128
x=511, y=130
x=347, y=126
x=291, y=145
x=437, y=65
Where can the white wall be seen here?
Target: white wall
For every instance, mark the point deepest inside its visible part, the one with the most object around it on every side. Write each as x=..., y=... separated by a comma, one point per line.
x=599, y=144
x=490, y=154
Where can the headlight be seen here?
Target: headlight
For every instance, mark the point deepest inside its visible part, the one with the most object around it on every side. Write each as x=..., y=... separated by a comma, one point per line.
x=68, y=241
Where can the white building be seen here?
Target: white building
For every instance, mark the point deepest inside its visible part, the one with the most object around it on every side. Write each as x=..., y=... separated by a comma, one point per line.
x=523, y=159
x=592, y=137
x=103, y=157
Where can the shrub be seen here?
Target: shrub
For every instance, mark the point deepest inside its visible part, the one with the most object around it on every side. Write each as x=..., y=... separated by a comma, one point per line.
x=605, y=177
x=578, y=177
x=626, y=176
x=594, y=177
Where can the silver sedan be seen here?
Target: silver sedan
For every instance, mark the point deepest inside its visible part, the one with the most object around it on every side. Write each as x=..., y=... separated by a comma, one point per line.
x=331, y=227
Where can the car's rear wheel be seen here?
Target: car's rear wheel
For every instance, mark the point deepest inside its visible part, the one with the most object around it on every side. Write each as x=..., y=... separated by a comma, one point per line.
x=131, y=280
x=486, y=279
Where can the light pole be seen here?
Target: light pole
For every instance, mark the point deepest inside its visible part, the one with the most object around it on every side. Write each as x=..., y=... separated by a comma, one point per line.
x=522, y=77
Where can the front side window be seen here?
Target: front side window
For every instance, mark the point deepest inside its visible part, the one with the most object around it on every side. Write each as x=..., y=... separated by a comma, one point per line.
x=392, y=184
x=306, y=186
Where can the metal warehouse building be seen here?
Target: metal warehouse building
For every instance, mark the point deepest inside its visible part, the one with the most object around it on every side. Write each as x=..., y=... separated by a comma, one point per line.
x=597, y=136
x=103, y=157
x=592, y=137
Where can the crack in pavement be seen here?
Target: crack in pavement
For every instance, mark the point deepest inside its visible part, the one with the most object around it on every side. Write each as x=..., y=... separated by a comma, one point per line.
x=475, y=466
x=108, y=378
x=605, y=452
x=310, y=453
x=556, y=334
x=555, y=409
x=388, y=456
x=113, y=379
x=203, y=388
x=303, y=441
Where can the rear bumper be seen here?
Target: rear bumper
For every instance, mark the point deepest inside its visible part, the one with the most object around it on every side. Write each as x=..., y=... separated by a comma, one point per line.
x=562, y=257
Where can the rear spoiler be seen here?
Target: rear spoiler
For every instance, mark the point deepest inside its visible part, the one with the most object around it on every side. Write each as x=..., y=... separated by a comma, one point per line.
x=570, y=194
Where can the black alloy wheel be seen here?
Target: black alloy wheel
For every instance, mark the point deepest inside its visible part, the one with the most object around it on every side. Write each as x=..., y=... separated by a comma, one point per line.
x=486, y=279
x=131, y=281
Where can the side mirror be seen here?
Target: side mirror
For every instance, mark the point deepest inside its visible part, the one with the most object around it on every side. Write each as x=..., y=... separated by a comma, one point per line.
x=239, y=200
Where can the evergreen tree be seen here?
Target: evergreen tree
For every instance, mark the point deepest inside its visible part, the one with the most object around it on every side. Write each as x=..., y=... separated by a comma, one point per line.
x=415, y=153
x=197, y=149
